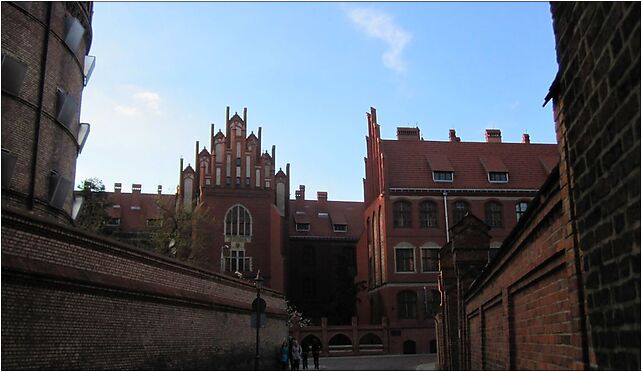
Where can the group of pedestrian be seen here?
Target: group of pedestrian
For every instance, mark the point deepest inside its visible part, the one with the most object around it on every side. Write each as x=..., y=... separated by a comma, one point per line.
x=291, y=353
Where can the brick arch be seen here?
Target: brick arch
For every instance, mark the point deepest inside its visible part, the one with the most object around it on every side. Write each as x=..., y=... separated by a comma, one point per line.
x=309, y=339
x=340, y=343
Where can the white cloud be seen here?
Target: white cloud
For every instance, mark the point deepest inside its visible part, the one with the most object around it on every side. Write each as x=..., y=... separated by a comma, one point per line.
x=381, y=26
x=127, y=110
x=150, y=99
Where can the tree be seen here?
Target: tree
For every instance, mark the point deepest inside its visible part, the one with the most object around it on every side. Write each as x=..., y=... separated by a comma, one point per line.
x=93, y=216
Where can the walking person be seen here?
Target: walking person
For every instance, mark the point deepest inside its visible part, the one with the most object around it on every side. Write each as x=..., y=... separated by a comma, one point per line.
x=283, y=355
x=304, y=355
x=296, y=355
x=316, y=348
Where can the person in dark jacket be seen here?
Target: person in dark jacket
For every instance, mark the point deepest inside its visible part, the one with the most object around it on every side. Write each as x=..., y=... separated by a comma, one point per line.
x=283, y=355
x=316, y=349
x=296, y=355
x=304, y=355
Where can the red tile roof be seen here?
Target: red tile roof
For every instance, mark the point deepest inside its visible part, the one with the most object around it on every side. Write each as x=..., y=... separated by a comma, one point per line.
x=350, y=213
x=409, y=163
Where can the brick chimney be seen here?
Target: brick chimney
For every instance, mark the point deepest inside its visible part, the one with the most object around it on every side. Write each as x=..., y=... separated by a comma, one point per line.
x=453, y=137
x=160, y=189
x=322, y=202
x=135, y=201
x=299, y=195
x=404, y=133
x=117, y=187
x=493, y=135
x=526, y=138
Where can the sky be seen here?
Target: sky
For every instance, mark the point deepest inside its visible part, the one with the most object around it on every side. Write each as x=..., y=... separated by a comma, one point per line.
x=308, y=73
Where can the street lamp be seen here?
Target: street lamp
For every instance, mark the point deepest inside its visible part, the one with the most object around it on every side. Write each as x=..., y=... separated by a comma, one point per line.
x=258, y=282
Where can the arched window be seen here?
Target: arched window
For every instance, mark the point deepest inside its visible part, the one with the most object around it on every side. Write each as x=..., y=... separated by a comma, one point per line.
x=407, y=305
x=520, y=209
x=238, y=222
x=428, y=214
x=493, y=214
x=461, y=208
x=401, y=211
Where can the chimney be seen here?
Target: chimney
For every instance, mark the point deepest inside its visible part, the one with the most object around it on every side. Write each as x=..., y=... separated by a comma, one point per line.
x=322, y=202
x=453, y=136
x=117, y=187
x=136, y=187
x=160, y=189
x=245, y=115
x=404, y=133
x=299, y=195
x=135, y=200
x=493, y=136
x=526, y=138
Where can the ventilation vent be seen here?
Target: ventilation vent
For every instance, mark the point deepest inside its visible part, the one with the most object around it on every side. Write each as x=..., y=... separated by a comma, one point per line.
x=73, y=33
x=59, y=190
x=83, y=133
x=13, y=74
x=90, y=63
x=67, y=108
x=8, y=167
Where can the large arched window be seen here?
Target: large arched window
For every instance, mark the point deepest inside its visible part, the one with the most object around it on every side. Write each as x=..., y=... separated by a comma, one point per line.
x=493, y=214
x=407, y=305
x=428, y=214
x=238, y=222
x=461, y=208
x=401, y=211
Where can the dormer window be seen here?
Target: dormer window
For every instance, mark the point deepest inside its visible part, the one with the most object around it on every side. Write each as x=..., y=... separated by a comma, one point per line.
x=442, y=176
x=302, y=227
x=340, y=227
x=323, y=215
x=498, y=177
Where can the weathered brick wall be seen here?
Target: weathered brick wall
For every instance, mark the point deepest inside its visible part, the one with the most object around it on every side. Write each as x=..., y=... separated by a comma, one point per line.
x=493, y=344
x=72, y=300
x=474, y=342
x=597, y=104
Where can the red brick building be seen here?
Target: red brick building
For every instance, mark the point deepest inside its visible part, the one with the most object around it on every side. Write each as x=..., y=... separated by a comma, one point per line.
x=415, y=190
x=248, y=200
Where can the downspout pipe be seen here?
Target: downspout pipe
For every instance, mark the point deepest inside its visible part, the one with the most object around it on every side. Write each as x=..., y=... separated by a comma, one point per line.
x=36, y=138
x=445, y=193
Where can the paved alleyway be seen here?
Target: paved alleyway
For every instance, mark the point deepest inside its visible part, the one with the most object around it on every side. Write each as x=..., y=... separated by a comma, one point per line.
x=415, y=362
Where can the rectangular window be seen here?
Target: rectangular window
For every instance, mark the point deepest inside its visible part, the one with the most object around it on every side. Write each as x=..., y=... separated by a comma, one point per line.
x=218, y=176
x=247, y=181
x=499, y=177
x=429, y=260
x=302, y=227
x=258, y=177
x=237, y=261
x=228, y=166
x=238, y=150
x=248, y=169
x=441, y=176
x=405, y=260
x=113, y=222
x=13, y=72
x=340, y=227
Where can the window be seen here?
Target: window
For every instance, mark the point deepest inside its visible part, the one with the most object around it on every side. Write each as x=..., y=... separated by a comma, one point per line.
x=428, y=214
x=302, y=227
x=461, y=208
x=429, y=259
x=67, y=108
x=323, y=215
x=441, y=176
x=74, y=31
x=340, y=228
x=405, y=260
x=238, y=222
x=401, y=210
x=494, y=214
x=13, y=74
x=494, y=249
x=237, y=261
x=135, y=207
x=499, y=177
x=520, y=209
x=247, y=181
x=113, y=222
x=407, y=305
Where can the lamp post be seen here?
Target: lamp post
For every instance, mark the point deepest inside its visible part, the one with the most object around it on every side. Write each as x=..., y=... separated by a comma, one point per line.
x=258, y=281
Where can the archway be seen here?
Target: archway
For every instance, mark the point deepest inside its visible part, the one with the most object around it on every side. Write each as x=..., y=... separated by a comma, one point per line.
x=310, y=340
x=370, y=342
x=340, y=343
x=409, y=347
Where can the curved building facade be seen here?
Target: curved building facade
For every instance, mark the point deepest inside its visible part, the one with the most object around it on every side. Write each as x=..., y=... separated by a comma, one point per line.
x=45, y=66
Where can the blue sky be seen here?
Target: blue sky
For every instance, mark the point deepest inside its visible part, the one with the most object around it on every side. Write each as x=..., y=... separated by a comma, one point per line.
x=308, y=72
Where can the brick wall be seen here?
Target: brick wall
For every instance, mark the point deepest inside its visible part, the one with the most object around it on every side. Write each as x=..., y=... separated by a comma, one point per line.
x=597, y=103
x=73, y=300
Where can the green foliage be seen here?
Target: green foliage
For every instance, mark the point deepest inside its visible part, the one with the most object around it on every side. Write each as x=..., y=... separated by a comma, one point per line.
x=93, y=215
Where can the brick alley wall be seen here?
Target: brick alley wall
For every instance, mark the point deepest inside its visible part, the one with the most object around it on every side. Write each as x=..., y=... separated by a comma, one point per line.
x=597, y=103
x=73, y=300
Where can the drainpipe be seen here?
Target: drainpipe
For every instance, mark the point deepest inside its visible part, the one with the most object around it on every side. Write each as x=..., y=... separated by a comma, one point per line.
x=446, y=215
x=36, y=139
